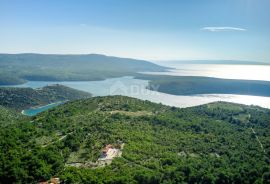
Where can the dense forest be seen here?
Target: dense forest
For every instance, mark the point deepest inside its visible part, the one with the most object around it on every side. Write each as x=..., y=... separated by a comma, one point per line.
x=22, y=98
x=18, y=68
x=192, y=85
x=213, y=143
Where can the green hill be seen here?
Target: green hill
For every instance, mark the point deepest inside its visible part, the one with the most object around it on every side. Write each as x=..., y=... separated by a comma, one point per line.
x=213, y=143
x=18, y=68
x=23, y=98
x=9, y=116
x=192, y=85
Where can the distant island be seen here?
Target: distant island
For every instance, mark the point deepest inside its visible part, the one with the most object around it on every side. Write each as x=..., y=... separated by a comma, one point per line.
x=19, y=68
x=192, y=85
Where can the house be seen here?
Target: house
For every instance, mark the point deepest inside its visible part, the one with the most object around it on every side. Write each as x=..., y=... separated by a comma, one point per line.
x=109, y=153
x=54, y=180
x=106, y=149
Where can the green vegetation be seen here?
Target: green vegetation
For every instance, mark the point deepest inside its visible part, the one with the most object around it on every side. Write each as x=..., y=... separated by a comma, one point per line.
x=205, y=144
x=9, y=116
x=18, y=68
x=23, y=98
x=186, y=85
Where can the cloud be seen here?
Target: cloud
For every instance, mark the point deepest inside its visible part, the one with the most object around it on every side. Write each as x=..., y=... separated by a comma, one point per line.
x=220, y=29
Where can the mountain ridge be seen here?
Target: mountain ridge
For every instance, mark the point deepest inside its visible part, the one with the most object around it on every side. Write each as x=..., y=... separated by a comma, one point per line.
x=18, y=68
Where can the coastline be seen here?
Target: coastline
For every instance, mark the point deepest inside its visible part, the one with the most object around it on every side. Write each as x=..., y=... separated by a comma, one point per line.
x=110, y=86
x=45, y=107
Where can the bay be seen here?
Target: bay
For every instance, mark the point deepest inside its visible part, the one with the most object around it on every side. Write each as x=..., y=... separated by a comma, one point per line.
x=129, y=86
x=33, y=111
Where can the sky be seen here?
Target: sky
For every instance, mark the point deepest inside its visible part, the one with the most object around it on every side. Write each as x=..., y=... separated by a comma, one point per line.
x=143, y=29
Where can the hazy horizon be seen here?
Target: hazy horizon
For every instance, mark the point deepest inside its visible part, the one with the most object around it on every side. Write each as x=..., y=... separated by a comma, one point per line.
x=230, y=61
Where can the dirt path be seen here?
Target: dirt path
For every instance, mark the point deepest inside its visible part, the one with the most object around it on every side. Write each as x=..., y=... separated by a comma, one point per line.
x=257, y=138
x=61, y=138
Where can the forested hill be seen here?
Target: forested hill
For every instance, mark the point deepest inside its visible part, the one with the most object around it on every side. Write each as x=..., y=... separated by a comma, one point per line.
x=9, y=116
x=213, y=143
x=22, y=98
x=18, y=68
x=192, y=85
